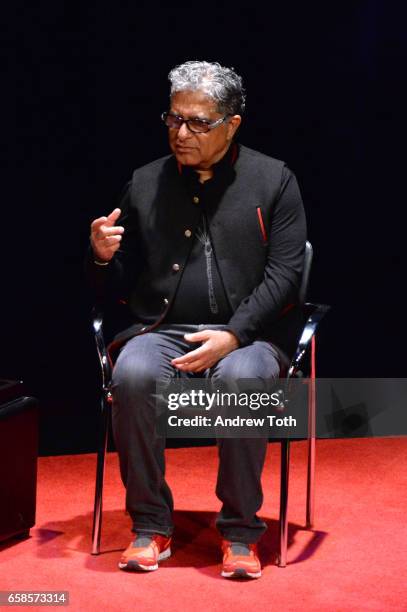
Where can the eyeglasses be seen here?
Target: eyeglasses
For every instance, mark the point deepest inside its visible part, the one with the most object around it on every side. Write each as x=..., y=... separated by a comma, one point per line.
x=198, y=126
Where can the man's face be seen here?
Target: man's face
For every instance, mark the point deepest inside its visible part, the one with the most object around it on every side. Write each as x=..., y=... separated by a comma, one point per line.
x=199, y=150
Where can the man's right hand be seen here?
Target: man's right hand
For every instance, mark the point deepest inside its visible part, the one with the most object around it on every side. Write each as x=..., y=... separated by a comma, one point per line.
x=105, y=237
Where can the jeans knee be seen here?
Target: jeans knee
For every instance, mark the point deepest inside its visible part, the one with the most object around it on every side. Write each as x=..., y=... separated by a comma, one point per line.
x=133, y=378
x=232, y=375
x=245, y=374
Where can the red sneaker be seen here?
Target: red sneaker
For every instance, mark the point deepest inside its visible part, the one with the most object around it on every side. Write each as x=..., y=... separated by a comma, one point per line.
x=145, y=552
x=240, y=560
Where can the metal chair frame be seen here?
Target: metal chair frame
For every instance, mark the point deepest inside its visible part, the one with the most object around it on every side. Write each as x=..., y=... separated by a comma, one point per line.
x=313, y=314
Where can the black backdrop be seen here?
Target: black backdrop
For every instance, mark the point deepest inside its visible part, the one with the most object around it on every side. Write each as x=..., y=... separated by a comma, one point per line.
x=325, y=89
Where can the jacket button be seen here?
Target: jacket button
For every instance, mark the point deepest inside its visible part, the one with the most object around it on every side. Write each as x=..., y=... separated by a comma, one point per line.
x=195, y=200
x=175, y=267
x=188, y=233
x=165, y=300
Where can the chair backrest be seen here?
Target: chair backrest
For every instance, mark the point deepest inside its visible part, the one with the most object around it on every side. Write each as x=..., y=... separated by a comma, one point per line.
x=308, y=254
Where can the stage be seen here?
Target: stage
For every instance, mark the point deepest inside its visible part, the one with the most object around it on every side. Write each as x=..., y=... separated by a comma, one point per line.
x=355, y=558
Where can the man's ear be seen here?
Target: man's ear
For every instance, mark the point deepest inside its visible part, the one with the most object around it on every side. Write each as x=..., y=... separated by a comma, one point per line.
x=232, y=125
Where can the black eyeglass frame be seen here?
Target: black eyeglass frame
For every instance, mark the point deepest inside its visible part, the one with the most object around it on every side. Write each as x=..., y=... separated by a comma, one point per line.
x=209, y=125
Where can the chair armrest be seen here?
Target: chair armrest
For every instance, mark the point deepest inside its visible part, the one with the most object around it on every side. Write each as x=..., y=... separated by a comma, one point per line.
x=314, y=313
x=104, y=358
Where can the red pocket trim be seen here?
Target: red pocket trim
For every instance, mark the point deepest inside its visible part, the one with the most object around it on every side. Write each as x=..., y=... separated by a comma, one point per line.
x=261, y=223
x=286, y=309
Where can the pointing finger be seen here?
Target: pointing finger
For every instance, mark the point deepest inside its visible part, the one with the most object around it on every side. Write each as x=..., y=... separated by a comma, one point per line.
x=114, y=215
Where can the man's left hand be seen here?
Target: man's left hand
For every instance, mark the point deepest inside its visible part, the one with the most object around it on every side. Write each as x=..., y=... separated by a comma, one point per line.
x=215, y=345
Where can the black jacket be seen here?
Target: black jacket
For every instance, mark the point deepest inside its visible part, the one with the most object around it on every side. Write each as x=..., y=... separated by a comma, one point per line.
x=258, y=231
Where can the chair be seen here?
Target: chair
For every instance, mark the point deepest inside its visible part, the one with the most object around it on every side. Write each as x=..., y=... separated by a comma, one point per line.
x=313, y=313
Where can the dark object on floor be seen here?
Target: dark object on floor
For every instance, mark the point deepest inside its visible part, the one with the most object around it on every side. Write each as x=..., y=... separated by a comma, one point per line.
x=18, y=460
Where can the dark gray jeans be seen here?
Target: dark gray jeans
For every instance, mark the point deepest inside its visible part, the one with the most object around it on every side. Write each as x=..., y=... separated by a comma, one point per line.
x=142, y=361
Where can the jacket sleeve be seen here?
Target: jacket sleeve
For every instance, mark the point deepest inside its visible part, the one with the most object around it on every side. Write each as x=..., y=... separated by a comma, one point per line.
x=282, y=274
x=114, y=280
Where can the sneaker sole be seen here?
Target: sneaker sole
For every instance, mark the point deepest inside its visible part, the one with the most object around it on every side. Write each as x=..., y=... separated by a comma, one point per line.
x=134, y=565
x=240, y=573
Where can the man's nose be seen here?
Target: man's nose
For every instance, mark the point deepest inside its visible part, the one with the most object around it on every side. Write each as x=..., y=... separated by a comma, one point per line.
x=184, y=132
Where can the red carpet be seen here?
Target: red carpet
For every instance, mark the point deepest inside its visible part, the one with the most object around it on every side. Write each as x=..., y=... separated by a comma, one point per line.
x=354, y=559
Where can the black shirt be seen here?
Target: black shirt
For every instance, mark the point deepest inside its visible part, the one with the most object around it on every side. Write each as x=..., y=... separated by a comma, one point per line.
x=201, y=296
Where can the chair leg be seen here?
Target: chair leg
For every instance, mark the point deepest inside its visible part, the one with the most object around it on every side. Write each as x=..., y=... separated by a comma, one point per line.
x=311, y=483
x=311, y=442
x=283, y=523
x=100, y=472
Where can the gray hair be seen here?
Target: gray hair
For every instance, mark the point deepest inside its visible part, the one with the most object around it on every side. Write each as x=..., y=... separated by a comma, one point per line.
x=222, y=84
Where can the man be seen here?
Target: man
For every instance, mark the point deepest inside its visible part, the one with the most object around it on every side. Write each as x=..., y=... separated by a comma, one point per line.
x=208, y=246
